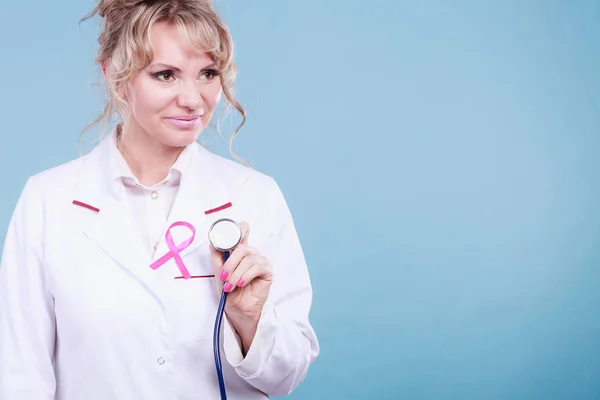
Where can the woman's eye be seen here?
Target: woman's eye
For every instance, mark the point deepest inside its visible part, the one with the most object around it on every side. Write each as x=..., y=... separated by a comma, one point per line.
x=164, y=76
x=209, y=75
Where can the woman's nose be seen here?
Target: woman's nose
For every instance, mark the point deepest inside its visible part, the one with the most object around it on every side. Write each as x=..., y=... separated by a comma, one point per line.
x=190, y=95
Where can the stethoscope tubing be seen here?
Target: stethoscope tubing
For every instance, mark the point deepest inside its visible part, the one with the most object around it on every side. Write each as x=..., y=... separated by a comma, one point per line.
x=217, y=335
x=221, y=308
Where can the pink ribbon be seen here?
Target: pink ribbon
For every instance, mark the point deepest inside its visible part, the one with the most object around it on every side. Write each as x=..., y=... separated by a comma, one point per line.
x=174, y=250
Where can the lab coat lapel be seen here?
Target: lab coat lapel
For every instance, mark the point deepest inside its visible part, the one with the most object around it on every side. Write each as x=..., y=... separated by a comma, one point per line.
x=112, y=227
x=200, y=191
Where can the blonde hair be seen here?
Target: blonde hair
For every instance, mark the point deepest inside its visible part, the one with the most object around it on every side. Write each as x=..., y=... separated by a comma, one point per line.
x=125, y=45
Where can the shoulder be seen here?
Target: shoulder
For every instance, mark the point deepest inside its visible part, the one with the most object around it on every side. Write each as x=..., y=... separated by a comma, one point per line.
x=57, y=178
x=45, y=190
x=258, y=196
x=241, y=178
x=65, y=179
x=54, y=186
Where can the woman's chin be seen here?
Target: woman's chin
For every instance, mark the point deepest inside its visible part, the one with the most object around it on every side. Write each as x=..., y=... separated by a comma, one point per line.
x=181, y=138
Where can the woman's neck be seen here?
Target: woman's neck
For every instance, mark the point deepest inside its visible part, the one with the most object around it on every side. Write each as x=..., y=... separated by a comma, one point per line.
x=148, y=159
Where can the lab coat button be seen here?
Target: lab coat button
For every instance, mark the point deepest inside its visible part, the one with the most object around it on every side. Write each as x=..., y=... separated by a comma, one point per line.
x=154, y=195
x=160, y=361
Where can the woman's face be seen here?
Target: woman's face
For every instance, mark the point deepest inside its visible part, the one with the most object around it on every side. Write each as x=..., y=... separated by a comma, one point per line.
x=173, y=99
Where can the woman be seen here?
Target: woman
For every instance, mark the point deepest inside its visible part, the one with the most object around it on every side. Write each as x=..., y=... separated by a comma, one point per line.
x=93, y=304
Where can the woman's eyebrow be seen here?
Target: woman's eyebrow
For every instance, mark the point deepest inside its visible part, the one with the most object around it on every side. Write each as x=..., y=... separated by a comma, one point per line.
x=174, y=68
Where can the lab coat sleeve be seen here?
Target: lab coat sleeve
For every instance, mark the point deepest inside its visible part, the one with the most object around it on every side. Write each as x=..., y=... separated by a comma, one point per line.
x=27, y=326
x=285, y=344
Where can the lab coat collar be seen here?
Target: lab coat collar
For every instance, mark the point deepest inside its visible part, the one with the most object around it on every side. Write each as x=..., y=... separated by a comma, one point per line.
x=112, y=226
x=121, y=173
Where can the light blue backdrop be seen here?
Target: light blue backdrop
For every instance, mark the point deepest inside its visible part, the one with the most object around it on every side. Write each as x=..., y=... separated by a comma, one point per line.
x=441, y=160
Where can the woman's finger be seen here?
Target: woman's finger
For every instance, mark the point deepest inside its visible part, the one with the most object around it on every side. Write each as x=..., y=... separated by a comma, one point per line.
x=236, y=256
x=245, y=228
x=261, y=270
x=235, y=279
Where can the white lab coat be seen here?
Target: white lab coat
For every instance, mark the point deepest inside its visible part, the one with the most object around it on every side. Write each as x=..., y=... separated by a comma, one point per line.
x=76, y=291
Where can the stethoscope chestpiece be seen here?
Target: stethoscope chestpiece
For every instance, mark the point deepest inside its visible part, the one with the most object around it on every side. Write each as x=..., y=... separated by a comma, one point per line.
x=225, y=234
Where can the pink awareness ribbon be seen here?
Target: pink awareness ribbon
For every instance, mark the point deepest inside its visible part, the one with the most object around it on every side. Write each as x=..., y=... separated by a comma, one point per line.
x=174, y=250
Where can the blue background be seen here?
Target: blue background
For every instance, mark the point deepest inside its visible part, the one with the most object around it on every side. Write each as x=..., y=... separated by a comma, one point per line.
x=441, y=160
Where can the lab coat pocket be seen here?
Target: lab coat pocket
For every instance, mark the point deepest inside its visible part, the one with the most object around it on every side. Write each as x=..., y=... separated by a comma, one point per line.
x=194, y=301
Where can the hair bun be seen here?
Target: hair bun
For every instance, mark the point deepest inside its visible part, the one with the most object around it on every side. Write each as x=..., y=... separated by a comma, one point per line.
x=107, y=7
x=104, y=6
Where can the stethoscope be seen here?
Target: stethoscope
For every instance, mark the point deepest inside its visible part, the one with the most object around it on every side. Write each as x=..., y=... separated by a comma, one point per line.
x=224, y=234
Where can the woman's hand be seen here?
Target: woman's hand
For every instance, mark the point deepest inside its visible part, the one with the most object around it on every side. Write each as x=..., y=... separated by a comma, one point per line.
x=247, y=278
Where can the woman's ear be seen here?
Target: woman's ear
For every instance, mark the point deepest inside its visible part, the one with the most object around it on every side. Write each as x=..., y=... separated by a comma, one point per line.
x=107, y=78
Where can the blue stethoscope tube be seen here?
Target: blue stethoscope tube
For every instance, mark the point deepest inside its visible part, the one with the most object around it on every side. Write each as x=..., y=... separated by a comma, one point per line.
x=225, y=234
x=217, y=335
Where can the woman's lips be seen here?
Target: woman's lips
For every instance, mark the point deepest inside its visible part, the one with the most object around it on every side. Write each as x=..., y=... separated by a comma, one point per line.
x=184, y=122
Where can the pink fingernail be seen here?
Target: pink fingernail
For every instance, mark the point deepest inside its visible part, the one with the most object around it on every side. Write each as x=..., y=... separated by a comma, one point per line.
x=240, y=283
x=224, y=275
x=228, y=286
